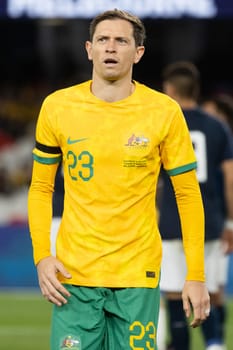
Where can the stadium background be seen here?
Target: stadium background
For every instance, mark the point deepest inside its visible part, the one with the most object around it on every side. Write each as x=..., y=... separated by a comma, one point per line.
x=41, y=53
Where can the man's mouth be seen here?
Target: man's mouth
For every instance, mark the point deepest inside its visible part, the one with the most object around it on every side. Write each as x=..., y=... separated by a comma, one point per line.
x=110, y=61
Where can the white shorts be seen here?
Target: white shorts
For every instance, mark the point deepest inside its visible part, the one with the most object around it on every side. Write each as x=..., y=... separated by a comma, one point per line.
x=173, y=268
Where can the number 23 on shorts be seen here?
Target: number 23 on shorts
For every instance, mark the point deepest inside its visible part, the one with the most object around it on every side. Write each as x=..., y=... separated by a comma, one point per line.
x=143, y=335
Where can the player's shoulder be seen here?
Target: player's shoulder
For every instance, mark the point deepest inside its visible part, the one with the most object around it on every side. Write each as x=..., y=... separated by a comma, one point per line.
x=70, y=92
x=158, y=99
x=216, y=129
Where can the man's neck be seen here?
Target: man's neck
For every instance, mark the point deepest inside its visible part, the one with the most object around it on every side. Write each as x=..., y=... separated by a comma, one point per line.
x=112, y=91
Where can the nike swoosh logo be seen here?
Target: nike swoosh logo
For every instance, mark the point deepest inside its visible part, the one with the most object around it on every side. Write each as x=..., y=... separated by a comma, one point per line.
x=71, y=142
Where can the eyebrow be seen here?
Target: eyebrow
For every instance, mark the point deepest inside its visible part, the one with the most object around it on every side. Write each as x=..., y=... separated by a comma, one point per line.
x=104, y=36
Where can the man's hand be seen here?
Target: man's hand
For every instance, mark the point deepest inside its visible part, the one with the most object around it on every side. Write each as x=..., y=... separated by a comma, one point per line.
x=50, y=286
x=196, y=300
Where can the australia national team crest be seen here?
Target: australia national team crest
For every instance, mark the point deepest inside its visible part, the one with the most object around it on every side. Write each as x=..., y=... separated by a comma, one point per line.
x=136, y=150
x=137, y=141
x=71, y=342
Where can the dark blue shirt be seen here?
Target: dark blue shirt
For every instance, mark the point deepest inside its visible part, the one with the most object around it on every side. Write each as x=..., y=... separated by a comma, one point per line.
x=212, y=142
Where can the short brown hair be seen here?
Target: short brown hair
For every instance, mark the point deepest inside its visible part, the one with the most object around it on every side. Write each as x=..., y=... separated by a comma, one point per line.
x=185, y=77
x=139, y=31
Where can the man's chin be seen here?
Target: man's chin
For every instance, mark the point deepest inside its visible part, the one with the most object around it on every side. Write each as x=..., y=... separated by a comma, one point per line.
x=111, y=76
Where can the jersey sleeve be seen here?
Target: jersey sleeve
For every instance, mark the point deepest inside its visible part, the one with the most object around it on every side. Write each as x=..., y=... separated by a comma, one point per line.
x=47, y=149
x=46, y=155
x=191, y=212
x=40, y=208
x=177, y=151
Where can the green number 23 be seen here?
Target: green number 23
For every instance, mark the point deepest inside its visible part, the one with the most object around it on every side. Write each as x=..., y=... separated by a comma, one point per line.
x=85, y=160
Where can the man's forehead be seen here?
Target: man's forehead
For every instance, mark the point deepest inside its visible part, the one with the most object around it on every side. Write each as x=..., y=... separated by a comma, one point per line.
x=118, y=27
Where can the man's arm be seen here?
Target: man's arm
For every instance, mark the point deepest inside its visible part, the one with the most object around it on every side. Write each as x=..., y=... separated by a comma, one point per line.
x=40, y=218
x=40, y=208
x=191, y=212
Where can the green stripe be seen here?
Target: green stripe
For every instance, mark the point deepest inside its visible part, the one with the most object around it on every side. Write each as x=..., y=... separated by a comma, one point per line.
x=44, y=160
x=182, y=169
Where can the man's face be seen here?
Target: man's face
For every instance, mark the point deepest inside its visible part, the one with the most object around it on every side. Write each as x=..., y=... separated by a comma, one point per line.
x=113, y=50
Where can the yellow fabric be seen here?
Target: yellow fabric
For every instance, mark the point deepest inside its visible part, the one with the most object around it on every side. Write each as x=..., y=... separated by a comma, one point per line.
x=40, y=208
x=191, y=211
x=112, y=153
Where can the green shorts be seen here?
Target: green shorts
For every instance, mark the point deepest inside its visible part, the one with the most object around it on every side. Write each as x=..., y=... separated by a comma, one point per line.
x=106, y=319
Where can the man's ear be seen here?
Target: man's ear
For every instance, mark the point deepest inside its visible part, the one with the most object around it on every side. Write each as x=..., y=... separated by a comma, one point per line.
x=139, y=53
x=88, y=46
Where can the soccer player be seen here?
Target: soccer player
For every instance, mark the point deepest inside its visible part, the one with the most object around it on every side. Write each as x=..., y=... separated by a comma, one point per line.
x=220, y=106
x=112, y=135
x=213, y=147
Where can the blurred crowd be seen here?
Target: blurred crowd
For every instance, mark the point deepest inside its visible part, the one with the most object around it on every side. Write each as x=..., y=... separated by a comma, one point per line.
x=19, y=110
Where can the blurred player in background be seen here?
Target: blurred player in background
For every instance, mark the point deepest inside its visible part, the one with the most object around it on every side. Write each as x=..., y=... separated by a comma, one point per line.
x=112, y=134
x=220, y=106
x=213, y=147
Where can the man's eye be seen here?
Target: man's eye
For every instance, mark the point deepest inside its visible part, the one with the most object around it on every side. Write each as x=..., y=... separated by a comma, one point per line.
x=122, y=40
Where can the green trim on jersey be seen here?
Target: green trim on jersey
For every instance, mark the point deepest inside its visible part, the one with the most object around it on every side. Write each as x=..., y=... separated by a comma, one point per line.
x=44, y=160
x=182, y=169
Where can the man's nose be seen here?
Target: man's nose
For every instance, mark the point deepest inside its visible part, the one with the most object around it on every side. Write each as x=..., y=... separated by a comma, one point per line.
x=111, y=46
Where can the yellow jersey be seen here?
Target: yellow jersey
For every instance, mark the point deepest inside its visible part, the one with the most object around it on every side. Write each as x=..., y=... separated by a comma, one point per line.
x=111, y=154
